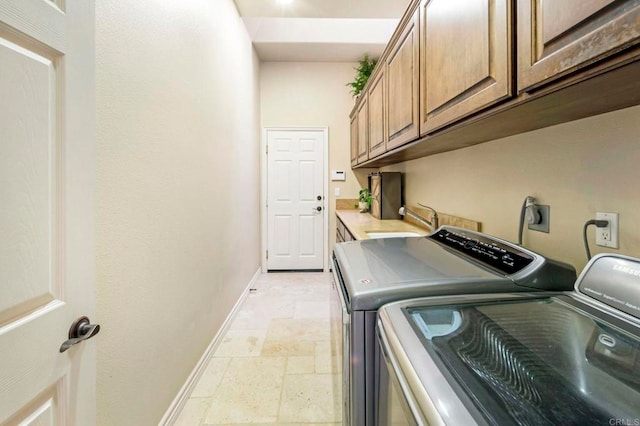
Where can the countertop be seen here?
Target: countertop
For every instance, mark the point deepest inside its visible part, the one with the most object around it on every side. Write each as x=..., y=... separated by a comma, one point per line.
x=360, y=223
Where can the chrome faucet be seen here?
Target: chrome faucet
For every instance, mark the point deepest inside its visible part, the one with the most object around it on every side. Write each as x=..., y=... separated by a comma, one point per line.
x=431, y=224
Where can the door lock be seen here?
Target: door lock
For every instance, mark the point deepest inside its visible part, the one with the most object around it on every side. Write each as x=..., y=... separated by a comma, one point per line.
x=319, y=198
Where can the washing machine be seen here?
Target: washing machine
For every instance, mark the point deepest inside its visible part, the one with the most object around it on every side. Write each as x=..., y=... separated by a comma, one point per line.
x=370, y=273
x=519, y=358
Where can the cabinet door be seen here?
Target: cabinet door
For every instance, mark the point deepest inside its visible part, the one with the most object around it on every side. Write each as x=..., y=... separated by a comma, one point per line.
x=403, y=91
x=465, y=57
x=354, y=139
x=377, y=108
x=363, y=131
x=558, y=37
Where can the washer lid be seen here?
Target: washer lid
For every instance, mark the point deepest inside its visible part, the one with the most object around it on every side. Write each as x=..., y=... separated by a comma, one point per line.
x=379, y=271
x=544, y=361
x=449, y=261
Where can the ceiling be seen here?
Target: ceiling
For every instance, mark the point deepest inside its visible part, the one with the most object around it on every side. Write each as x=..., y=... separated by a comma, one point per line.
x=323, y=8
x=320, y=30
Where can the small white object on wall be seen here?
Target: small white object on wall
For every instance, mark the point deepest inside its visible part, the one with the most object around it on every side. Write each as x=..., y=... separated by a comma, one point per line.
x=338, y=175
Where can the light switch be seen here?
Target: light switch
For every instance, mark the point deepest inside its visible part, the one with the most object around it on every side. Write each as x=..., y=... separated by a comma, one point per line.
x=336, y=191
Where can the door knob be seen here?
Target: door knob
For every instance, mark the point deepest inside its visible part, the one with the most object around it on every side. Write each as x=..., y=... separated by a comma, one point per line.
x=319, y=208
x=80, y=330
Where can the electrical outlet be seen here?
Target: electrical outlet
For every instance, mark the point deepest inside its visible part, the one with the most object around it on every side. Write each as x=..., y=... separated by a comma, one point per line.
x=543, y=225
x=607, y=237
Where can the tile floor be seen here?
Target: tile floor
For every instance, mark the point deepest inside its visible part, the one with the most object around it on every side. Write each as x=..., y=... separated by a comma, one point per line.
x=278, y=363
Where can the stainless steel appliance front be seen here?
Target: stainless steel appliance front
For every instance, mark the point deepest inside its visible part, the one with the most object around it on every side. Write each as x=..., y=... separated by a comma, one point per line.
x=345, y=338
x=525, y=359
x=396, y=403
x=386, y=194
x=370, y=273
x=355, y=325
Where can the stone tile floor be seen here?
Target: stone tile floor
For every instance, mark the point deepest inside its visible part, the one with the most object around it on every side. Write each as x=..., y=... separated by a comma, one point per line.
x=279, y=363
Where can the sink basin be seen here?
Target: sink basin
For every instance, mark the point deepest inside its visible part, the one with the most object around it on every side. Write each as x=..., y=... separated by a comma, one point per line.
x=393, y=234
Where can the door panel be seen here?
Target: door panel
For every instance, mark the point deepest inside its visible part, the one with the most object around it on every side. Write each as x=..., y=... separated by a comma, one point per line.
x=557, y=17
x=557, y=38
x=283, y=172
x=354, y=139
x=448, y=48
x=44, y=411
x=403, y=91
x=377, y=115
x=363, y=130
x=283, y=226
x=46, y=222
x=306, y=181
x=295, y=173
x=466, y=57
x=307, y=241
x=27, y=171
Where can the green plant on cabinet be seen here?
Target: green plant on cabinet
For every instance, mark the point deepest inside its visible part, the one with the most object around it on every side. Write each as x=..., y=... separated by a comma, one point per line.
x=363, y=72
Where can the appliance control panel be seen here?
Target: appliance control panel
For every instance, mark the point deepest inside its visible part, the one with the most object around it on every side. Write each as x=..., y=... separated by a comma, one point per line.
x=614, y=280
x=494, y=253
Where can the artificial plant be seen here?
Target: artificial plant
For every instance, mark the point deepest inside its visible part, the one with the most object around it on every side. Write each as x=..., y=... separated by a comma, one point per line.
x=363, y=72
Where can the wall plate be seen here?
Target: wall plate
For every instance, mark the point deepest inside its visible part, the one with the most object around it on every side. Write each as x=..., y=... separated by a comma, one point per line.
x=543, y=226
x=607, y=237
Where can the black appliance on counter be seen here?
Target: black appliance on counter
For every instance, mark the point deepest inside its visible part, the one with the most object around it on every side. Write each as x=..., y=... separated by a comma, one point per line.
x=386, y=194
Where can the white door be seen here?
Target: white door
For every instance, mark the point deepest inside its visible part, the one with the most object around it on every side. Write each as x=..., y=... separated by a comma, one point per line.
x=47, y=125
x=295, y=199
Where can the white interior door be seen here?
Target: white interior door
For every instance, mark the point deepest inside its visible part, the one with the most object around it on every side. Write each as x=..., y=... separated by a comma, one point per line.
x=295, y=199
x=46, y=210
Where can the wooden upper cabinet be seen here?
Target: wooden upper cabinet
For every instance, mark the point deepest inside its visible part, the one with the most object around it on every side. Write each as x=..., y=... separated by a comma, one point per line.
x=354, y=139
x=558, y=37
x=403, y=91
x=377, y=116
x=465, y=58
x=363, y=130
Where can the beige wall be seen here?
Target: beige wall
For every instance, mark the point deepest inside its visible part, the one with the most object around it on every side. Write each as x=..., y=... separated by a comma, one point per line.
x=314, y=94
x=178, y=172
x=577, y=168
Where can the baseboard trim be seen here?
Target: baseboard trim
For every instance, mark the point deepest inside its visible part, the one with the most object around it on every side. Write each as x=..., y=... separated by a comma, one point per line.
x=181, y=398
